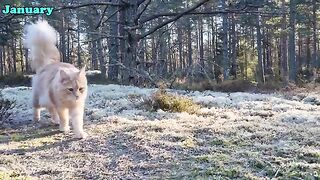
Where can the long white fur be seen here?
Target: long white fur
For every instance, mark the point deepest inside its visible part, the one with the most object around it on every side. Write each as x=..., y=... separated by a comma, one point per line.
x=41, y=39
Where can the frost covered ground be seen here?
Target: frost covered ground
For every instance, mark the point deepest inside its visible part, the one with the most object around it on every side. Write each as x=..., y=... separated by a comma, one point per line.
x=233, y=135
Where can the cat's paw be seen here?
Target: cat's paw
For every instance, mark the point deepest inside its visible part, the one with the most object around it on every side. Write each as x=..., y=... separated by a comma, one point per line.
x=64, y=129
x=55, y=121
x=81, y=135
x=36, y=119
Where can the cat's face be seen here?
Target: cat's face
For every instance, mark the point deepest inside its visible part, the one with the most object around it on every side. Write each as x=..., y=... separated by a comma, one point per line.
x=73, y=86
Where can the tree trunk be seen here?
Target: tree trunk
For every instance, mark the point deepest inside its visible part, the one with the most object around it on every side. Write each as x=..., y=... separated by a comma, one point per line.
x=122, y=47
x=9, y=62
x=14, y=55
x=68, y=46
x=113, y=69
x=63, y=40
x=130, y=61
x=260, y=69
x=234, y=48
x=300, y=50
x=225, y=55
x=79, y=62
x=1, y=61
x=315, y=38
x=201, y=50
x=180, y=44
x=308, y=63
x=101, y=58
x=21, y=55
x=94, y=57
x=292, y=45
x=189, y=36
x=284, y=49
x=4, y=60
x=26, y=55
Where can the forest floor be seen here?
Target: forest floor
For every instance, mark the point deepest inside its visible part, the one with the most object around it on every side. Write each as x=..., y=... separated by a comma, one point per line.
x=233, y=135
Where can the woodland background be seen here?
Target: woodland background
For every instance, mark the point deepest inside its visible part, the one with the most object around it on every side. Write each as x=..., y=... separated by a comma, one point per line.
x=143, y=42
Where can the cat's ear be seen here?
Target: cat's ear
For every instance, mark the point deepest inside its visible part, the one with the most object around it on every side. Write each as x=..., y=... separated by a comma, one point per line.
x=82, y=71
x=64, y=77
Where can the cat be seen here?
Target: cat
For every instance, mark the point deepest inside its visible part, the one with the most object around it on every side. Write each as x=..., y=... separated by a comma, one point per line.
x=59, y=87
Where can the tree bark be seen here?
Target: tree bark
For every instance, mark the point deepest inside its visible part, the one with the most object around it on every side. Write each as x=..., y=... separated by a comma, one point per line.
x=233, y=48
x=14, y=55
x=189, y=36
x=260, y=71
x=284, y=48
x=292, y=45
x=79, y=61
x=1, y=61
x=21, y=55
x=315, y=38
x=225, y=55
x=201, y=50
x=63, y=39
x=113, y=69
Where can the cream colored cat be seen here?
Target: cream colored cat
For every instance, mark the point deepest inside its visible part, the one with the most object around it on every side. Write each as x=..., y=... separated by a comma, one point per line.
x=59, y=87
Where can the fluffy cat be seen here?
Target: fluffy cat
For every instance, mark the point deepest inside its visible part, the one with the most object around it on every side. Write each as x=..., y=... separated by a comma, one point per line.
x=59, y=87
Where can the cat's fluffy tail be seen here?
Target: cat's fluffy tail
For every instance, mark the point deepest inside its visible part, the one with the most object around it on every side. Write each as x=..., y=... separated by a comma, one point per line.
x=40, y=38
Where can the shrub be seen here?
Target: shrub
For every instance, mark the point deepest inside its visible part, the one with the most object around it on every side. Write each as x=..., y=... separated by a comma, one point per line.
x=5, y=107
x=96, y=78
x=234, y=86
x=270, y=86
x=225, y=86
x=15, y=80
x=195, y=86
x=171, y=103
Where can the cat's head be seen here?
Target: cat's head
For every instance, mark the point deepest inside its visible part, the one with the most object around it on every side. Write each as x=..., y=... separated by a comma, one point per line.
x=73, y=86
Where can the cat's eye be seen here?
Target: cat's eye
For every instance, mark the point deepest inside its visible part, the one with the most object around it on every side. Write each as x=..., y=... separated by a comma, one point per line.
x=70, y=89
x=81, y=89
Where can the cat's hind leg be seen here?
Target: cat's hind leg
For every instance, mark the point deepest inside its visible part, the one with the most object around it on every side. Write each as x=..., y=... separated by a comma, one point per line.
x=36, y=108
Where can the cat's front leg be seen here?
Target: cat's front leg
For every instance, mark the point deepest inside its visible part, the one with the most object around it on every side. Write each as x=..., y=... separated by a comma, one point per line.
x=54, y=115
x=64, y=119
x=76, y=114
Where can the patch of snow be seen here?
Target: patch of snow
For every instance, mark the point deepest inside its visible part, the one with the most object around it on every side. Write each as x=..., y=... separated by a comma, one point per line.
x=93, y=72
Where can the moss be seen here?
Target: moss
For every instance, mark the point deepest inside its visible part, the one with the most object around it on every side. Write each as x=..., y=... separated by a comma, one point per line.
x=18, y=137
x=189, y=143
x=13, y=175
x=171, y=103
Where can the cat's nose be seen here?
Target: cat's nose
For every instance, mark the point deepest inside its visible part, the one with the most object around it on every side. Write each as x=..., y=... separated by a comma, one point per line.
x=77, y=97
